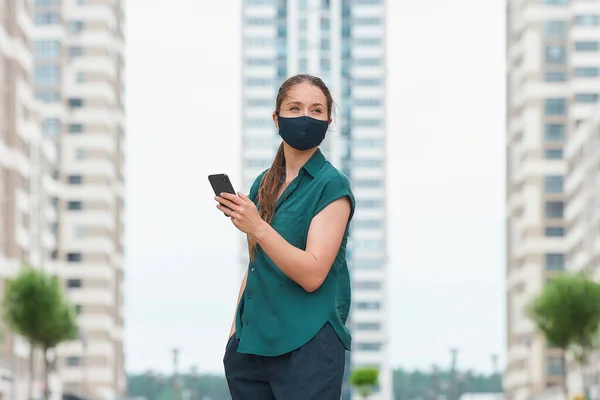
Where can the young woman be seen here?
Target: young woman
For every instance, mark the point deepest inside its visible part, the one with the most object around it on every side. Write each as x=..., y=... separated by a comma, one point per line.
x=288, y=338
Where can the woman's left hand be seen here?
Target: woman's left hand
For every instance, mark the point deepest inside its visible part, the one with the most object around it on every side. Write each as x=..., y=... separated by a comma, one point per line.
x=241, y=210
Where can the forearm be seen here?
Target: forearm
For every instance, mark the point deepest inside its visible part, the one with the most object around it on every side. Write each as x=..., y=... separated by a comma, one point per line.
x=242, y=288
x=298, y=265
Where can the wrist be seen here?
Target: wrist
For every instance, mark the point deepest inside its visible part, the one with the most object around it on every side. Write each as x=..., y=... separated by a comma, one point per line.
x=261, y=230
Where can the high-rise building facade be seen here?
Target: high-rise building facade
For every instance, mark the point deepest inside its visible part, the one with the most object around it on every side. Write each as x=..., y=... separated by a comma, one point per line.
x=343, y=42
x=553, y=84
x=79, y=72
x=27, y=158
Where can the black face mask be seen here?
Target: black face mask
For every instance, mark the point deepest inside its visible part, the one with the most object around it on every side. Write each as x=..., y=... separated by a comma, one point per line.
x=302, y=133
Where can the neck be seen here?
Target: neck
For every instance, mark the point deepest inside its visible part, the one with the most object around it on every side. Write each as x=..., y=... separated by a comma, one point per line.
x=295, y=159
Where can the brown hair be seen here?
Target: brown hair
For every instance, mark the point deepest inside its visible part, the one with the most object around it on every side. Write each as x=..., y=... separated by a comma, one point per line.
x=271, y=181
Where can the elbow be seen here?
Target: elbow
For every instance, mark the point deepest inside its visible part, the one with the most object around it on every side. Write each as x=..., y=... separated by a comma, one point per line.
x=314, y=283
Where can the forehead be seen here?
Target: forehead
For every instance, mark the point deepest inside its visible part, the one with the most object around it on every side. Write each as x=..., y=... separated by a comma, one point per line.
x=306, y=93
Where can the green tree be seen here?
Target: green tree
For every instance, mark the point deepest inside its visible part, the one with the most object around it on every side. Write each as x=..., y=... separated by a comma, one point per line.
x=35, y=308
x=60, y=326
x=364, y=380
x=567, y=312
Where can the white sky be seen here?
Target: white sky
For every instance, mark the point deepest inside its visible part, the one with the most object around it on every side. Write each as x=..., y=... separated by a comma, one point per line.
x=446, y=181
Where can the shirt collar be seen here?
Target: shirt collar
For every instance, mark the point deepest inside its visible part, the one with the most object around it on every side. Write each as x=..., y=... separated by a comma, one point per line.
x=314, y=163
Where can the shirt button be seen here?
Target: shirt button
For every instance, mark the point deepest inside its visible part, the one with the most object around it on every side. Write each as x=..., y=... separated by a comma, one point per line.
x=252, y=269
x=247, y=322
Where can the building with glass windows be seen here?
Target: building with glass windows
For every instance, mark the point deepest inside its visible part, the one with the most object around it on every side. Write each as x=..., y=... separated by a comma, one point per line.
x=343, y=42
x=553, y=82
x=78, y=78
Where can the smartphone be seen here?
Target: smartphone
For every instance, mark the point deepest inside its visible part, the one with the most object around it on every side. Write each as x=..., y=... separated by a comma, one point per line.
x=221, y=184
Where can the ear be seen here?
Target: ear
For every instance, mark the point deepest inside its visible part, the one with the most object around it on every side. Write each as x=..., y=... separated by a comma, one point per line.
x=330, y=121
x=276, y=120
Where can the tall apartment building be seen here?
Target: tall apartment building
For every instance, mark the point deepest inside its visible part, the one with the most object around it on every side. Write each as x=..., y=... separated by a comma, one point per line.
x=553, y=82
x=26, y=185
x=582, y=218
x=79, y=70
x=343, y=42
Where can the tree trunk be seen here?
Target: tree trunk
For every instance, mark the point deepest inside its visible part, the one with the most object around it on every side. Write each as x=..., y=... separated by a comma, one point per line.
x=30, y=380
x=46, y=373
x=564, y=371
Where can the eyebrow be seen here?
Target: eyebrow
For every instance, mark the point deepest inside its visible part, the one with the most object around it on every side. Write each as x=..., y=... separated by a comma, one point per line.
x=299, y=103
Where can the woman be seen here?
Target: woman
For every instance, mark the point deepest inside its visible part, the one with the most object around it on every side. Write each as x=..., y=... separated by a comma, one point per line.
x=288, y=338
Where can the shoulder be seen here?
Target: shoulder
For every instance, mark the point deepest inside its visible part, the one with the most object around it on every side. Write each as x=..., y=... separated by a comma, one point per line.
x=334, y=180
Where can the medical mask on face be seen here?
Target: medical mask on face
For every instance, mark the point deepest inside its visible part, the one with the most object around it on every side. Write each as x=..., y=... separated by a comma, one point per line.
x=302, y=133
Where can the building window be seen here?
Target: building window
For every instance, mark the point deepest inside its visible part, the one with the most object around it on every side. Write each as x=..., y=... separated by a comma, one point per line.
x=75, y=179
x=51, y=127
x=368, y=346
x=259, y=102
x=586, y=98
x=554, y=184
x=75, y=128
x=259, y=82
x=80, y=77
x=555, y=77
x=75, y=51
x=553, y=154
x=80, y=154
x=258, y=41
x=368, y=305
x=369, y=203
x=367, y=62
x=587, y=46
x=555, y=106
x=554, y=366
x=366, y=82
x=555, y=262
x=368, y=143
x=367, y=102
x=555, y=209
x=75, y=26
x=74, y=205
x=325, y=65
x=74, y=257
x=555, y=28
x=366, y=123
x=47, y=75
x=368, y=326
x=367, y=21
x=368, y=183
x=554, y=133
x=78, y=231
x=303, y=65
x=48, y=97
x=368, y=264
x=587, y=72
x=72, y=361
x=587, y=20
x=75, y=103
x=260, y=21
x=259, y=2
x=259, y=62
x=367, y=285
x=556, y=54
x=47, y=49
x=325, y=44
x=555, y=231
x=74, y=283
x=366, y=224
x=47, y=18
x=556, y=2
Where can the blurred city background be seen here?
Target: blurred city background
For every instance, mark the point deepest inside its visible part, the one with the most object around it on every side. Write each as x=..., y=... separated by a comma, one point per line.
x=470, y=131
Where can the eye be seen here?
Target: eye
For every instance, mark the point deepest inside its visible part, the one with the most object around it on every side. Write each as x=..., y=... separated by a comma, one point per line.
x=318, y=111
x=294, y=109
